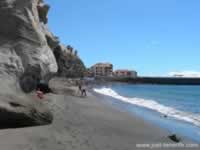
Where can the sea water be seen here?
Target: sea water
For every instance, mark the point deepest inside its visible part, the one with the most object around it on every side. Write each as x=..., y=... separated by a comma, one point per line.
x=181, y=103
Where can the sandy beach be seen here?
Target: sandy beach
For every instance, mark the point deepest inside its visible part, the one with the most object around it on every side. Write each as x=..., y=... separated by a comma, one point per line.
x=87, y=124
x=140, y=54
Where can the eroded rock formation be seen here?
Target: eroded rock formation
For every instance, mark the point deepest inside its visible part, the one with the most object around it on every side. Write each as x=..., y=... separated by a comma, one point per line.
x=21, y=111
x=27, y=47
x=27, y=55
x=23, y=43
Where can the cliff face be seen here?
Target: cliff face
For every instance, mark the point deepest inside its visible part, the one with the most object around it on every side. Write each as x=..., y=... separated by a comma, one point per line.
x=27, y=47
x=22, y=35
x=23, y=42
x=25, y=56
x=69, y=64
x=27, y=51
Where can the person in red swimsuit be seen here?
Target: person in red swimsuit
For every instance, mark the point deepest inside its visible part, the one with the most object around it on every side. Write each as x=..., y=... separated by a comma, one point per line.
x=40, y=94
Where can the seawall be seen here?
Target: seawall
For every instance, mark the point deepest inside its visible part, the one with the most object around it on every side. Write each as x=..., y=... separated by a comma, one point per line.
x=154, y=80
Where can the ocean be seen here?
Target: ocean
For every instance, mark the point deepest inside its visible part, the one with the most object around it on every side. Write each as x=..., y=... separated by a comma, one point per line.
x=179, y=105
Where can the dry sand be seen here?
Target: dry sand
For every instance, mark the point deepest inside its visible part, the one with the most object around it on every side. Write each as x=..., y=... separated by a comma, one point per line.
x=85, y=124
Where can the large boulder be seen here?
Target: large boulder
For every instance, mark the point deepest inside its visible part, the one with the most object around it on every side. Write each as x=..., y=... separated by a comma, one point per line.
x=23, y=40
x=23, y=111
x=65, y=86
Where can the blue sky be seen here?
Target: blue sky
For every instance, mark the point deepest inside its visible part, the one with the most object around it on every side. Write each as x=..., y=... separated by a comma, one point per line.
x=154, y=37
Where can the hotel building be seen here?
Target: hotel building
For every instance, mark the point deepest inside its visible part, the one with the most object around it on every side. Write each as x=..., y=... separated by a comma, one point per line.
x=102, y=69
x=125, y=73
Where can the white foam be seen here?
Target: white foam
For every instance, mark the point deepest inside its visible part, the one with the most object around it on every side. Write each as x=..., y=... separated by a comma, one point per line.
x=153, y=105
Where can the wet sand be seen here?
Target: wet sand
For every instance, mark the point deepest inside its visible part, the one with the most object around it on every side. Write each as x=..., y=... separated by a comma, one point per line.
x=87, y=124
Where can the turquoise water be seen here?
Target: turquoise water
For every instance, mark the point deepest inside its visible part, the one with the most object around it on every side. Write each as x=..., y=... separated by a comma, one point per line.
x=181, y=104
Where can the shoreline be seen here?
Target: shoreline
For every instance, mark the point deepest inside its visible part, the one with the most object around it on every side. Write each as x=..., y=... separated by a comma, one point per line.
x=168, y=123
x=88, y=124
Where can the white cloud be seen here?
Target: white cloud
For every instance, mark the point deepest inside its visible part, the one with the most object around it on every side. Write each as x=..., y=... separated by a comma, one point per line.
x=194, y=74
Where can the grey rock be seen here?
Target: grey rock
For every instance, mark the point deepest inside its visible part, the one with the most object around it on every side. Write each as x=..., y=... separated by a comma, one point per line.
x=52, y=40
x=25, y=58
x=64, y=86
x=17, y=112
x=28, y=83
x=43, y=11
x=174, y=138
x=69, y=64
x=23, y=43
x=28, y=53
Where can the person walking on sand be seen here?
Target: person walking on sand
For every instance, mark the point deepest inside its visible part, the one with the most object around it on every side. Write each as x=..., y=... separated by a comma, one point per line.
x=81, y=89
x=83, y=92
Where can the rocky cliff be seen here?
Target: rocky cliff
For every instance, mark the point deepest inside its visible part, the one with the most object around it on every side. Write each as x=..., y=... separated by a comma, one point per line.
x=27, y=55
x=27, y=47
x=23, y=39
x=69, y=64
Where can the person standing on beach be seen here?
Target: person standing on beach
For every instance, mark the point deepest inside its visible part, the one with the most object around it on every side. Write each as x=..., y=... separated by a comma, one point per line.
x=81, y=89
x=83, y=92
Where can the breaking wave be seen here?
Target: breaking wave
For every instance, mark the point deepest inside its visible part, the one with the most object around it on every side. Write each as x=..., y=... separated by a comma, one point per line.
x=153, y=105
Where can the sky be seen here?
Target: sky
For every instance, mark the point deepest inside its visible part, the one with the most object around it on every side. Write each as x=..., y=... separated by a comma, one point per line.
x=153, y=37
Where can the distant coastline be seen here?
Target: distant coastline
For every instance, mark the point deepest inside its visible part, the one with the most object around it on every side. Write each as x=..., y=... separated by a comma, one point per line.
x=154, y=80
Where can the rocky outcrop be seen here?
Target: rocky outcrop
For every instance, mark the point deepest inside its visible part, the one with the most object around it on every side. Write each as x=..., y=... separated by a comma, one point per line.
x=23, y=39
x=174, y=138
x=43, y=11
x=25, y=58
x=27, y=47
x=29, y=52
x=64, y=86
x=22, y=111
x=69, y=64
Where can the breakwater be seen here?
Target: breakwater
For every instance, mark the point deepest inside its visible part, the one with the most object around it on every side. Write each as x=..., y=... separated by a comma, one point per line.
x=154, y=80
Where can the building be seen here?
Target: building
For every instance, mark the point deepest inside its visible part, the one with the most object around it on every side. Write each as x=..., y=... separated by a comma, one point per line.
x=125, y=73
x=102, y=69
